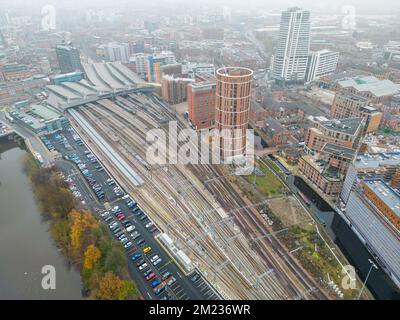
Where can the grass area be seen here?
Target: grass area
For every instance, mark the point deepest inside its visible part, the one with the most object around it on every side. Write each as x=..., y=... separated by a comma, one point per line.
x=312, y=252
x=314, y=255
x=268, y=184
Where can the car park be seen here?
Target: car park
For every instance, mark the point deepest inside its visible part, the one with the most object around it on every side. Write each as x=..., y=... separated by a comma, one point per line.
x=140, y=241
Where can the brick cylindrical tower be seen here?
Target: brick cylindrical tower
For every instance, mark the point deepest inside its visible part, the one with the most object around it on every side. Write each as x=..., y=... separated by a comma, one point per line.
x=232, y=107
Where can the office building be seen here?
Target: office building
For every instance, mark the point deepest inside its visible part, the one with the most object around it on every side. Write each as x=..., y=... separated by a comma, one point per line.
x=372, y=210
x=201, y=104
x=291, y=56
x=68, y=58
x=116, y=52
x=321, y=63
x=232, y=108
x=374, y=165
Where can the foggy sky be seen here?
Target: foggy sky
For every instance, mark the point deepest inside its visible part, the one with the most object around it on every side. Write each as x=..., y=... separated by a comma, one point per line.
x=362, y=6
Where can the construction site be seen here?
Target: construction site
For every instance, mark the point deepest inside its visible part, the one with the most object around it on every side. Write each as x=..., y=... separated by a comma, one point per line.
x=224, y=235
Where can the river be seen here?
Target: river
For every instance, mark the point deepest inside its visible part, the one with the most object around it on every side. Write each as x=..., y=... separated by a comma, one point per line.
x=25, y=243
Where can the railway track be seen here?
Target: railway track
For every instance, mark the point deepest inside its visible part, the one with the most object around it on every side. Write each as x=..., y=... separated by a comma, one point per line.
x=200, y=228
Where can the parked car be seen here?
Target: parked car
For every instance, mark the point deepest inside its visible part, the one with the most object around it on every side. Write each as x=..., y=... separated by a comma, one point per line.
x=136, y=256
x=150, y=276
x=144, y=265
x=158, y=261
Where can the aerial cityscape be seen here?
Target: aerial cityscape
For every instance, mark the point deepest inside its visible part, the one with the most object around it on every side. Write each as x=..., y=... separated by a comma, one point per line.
x=210, y=150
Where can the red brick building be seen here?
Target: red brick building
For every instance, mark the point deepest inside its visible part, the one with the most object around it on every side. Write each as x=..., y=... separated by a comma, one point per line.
x=201, y=104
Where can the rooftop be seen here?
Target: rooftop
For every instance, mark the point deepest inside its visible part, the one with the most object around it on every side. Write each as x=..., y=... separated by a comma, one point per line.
x=376, y=160
x=36, y=116
x=379, y=88
x=327, y=171
x=234, y=71
x=339, y=150
x=390, y=197
x=44, y=112
x=349, y=126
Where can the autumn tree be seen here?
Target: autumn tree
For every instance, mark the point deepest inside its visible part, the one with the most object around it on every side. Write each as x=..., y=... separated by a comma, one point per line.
x=111, y=287
x=91, y=257
x=82, y=223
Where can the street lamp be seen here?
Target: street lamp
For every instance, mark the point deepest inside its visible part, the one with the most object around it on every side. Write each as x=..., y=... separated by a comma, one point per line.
x=373, y=265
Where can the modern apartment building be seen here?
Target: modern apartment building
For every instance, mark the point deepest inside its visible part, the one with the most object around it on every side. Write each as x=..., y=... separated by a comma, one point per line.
x=347, y=105
x=154, y=65
x=344, y=132
x=140, y=60
x=321, y=63
x=201, y=104
x=291, y=56
x=232, y=107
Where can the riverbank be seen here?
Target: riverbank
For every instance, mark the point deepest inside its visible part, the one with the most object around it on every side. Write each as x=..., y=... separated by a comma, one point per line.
x=25, y=243
x=83, y=240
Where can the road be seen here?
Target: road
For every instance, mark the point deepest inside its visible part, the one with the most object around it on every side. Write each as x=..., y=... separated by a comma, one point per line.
x=183, y=288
